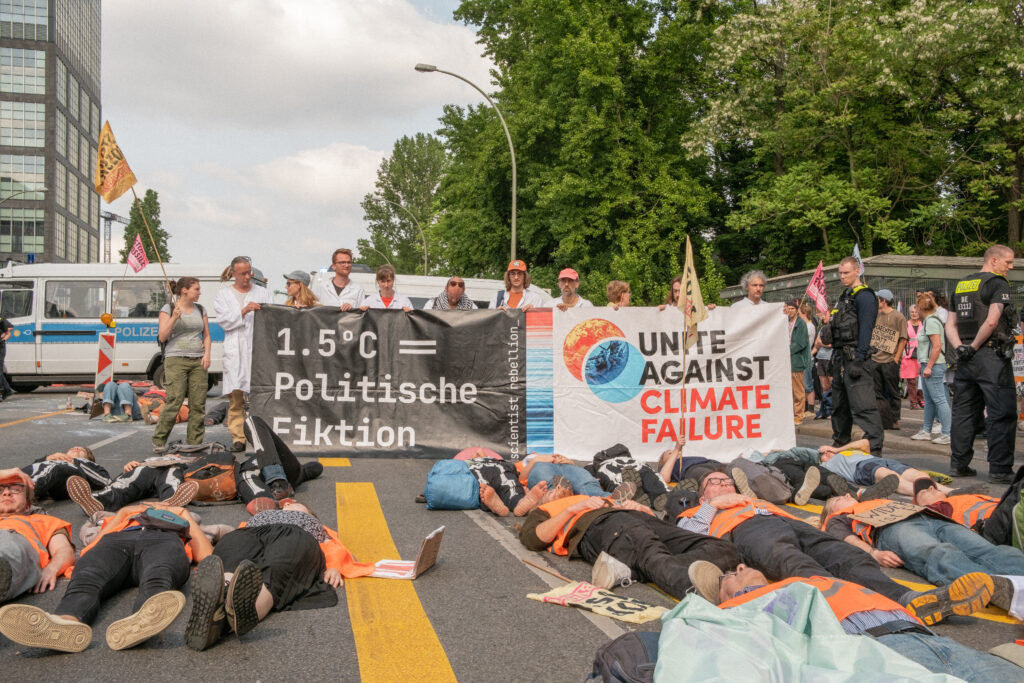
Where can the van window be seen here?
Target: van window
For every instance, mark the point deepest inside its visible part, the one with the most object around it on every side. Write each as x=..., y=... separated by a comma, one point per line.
x=75, y=298
x=15, y=303
x=139, y=299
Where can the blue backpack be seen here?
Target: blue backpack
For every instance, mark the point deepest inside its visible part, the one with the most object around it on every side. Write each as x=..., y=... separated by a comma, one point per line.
x=451, y=486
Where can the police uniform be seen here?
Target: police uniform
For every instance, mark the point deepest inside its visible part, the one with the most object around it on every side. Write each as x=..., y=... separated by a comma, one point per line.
x=986, y=380
x=853, y=389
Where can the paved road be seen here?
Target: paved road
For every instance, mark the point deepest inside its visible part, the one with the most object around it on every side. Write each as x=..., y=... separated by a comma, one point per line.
x=467, y=619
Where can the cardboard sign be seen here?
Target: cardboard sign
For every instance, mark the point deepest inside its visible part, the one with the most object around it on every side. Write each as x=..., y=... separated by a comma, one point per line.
x=890, y=513
x=885, y=339
x=600, y=601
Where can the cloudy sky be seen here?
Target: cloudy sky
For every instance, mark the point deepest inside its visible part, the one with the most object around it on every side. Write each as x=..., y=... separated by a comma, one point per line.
x=261, y=123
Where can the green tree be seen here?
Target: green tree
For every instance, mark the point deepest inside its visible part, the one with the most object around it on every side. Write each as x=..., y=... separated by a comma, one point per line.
x=136, y=226
x=399, y=212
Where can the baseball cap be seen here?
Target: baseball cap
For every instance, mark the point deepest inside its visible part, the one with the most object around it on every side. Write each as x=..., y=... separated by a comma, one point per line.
x=257, y=277
x=885, y=294
x=568, y=273
x=516, y=265
x=299, y=276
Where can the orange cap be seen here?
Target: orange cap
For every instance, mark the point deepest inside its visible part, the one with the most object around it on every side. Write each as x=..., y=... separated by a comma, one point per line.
x=516, y=265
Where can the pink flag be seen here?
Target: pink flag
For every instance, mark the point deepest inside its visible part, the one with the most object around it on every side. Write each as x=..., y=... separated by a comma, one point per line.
x=137, y=256
x=816, y=290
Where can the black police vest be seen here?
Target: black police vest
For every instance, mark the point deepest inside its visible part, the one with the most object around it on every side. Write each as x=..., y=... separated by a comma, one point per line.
x=971, y=312
x=844, y=320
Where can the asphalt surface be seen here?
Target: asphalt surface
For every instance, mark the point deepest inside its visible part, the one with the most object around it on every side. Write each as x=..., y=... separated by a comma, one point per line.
x=468, y=617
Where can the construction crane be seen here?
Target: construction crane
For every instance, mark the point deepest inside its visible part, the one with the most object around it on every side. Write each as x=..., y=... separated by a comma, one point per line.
x=109, y=218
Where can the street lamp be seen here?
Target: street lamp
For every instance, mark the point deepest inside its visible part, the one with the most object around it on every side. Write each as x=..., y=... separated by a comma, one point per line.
x=427, y=68
x=21, y=192
x=422, y=234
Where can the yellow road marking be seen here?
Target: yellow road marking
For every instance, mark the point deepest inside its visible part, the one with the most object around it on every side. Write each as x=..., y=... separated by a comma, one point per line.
x=335, y=462
x=988, y=614
x=394, y=638
x=37, y=417
x=816, y=509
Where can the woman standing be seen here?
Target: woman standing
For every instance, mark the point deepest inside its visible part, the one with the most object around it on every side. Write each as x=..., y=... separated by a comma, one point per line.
x=185, y=331
x=386, y=296
x=909, y=367
x=930, y=343
x=807, y=315
x=299, y=293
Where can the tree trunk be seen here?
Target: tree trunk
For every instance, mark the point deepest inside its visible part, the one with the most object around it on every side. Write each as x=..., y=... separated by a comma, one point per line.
x=1014, y=218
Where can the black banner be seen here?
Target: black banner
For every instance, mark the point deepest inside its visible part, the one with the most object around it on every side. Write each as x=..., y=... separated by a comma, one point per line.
x=389, y=383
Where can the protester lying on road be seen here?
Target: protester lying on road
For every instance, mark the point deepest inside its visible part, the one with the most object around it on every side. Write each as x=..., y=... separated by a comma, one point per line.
x=273, y=472
x=50, y=474
x=854, y=463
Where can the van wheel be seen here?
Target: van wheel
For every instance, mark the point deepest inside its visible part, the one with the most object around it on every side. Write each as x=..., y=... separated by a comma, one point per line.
x=23, y=387
x=158, y=376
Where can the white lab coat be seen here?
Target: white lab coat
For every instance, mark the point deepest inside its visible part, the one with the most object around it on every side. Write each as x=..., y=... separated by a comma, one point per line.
x=530, y=298
x=237, y=335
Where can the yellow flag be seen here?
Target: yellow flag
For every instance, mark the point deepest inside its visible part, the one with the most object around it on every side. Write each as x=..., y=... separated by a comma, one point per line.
x=113, y=176
x=691, y=303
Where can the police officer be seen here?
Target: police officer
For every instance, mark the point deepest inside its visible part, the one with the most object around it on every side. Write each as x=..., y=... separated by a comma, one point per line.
x=980, y=327
x=853, y=391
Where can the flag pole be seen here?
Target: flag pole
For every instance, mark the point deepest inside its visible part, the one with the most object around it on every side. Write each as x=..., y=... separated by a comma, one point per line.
x=152, y=241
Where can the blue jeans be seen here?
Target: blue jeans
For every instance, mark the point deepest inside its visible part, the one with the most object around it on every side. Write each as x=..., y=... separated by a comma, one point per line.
x=119, y=394
x=582, y=481
x=944, y=656
x=936, y=399
x=941, y=551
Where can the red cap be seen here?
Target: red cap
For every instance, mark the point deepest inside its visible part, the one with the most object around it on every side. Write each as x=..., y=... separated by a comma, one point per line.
x=516, y=265
x=568, y=273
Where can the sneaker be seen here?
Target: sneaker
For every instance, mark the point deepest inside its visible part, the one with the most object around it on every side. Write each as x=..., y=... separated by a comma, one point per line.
x=109, y=417
x=559, y=481
x=839, y=486
x=238, y=447
x=30, y=626
x=184, y=494
x=80, y=492
x=123, y=417
x=312, y=469
x=257, y=505
x=153, y=617
x=6, y=574
x=207, y=619
x=966, y=595
x=609, y=572
x=623, y=492
x=159, y=449
x=1000, y=477
x=240, y=602
x=706, y=578
x=1002, y=592
x=883, y=488
x=963, y=472
x=742, y=484
x=811, y=480
x=421, y=498
x=936, y=428
x=630, y=474
x=144, y=409
x=280, y=488
x=923, y=435
x=941, y=439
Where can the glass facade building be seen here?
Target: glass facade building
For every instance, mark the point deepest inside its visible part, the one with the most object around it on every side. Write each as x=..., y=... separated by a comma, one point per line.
x=49, y=130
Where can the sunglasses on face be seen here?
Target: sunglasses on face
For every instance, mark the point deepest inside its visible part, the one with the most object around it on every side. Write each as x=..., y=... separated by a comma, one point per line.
x=453, y=283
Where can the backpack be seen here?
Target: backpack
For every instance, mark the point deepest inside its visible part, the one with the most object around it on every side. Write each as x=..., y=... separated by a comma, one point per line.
x=451, y=486
x=163, y=344
x=630, y=658
x=1005, y=526
x=213, y=469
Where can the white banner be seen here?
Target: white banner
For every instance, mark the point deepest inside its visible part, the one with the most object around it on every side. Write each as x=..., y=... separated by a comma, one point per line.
x=619, y=379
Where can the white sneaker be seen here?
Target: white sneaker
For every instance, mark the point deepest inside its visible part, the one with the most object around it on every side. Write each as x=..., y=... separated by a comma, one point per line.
x=941, y=438
x=922, y=436
x=936, y=428
x=609, y=572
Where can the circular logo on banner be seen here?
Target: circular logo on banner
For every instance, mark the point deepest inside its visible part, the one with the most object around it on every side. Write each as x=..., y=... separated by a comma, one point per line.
x=596, y=352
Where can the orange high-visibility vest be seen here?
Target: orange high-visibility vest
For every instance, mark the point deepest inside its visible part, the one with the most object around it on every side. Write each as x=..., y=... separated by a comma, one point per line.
x=843, y=597
x=555, y=508
x=121, y=526
x=865, y=532
x=38, y=529
x=729, y=518
x=968, y=508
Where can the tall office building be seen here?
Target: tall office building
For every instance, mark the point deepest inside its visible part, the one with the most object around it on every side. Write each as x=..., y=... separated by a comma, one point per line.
x=49, y=129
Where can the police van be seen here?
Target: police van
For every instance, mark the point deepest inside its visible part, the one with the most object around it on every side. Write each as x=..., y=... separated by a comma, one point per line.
x=55, y=309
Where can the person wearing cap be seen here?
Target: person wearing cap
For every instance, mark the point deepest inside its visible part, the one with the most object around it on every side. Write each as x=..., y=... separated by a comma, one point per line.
x=340, y=291
x=778, y=543
x=861, y=611
x=517, y=292
x=299, y=293
x=889, y=338
x=453, y=297
x=184, y=331
x=35, y=549
x=386, y=297
x=569, y=282
x=234, y=306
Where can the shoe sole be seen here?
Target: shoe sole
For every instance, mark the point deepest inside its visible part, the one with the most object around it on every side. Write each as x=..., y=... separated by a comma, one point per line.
x=811, y=480
x=742, y=483
x=154, y=616
x=966, y=595
x=80, y=492
x=883, y=489
x=838, y=485
x=240, y=603
x=603, y=574
x=184, y=494
x=207, y=597
x=30, y=626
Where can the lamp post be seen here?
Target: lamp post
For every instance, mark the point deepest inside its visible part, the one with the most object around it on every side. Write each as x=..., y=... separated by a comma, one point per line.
x=422, y=234
x=21, y=192
x=428, y=68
